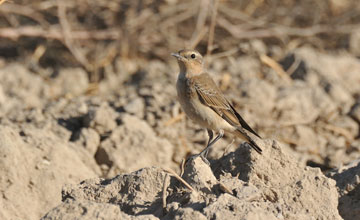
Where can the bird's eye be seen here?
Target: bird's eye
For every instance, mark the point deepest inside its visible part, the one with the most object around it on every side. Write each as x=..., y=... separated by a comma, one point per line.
x=193, y=56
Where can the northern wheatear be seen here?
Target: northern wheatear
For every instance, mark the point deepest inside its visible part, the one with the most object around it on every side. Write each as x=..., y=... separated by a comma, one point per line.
x=204, y=103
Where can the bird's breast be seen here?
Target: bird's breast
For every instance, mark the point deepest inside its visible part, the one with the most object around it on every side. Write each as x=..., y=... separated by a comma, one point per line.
x=186, y=96
x=195, y=109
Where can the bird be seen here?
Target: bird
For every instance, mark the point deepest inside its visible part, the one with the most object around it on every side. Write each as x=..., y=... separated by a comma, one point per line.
x=204, y=103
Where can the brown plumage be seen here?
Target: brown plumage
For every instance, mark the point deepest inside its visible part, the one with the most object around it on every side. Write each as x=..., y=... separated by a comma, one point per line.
x=204, y=103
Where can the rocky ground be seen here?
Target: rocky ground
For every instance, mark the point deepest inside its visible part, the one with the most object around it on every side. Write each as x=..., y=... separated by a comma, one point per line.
x=72, y=149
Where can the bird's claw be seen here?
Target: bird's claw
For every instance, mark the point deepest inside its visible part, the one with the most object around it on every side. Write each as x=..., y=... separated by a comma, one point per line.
x=202, y=155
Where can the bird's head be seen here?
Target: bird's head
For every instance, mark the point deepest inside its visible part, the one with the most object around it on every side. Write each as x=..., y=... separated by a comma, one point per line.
x=190, y=61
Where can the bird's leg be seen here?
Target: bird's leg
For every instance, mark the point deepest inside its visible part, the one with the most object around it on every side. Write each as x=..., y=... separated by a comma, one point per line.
x=211, y=136
x=203, y=154
x=203, y=157
x=220, y=135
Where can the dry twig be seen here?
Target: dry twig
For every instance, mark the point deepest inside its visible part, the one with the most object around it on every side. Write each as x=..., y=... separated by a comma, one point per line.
x=212, y=27
x=275, y=66
x=182, y=166
x=24, y=11
x=164, y=189
x=338, y=130
x=225, y=189
x=200, y=29
x=68, y=41
x=293, y=66
x=227, y=147
x=283, y=31
x=170, y=171
x=56, y=33
x=175, y=119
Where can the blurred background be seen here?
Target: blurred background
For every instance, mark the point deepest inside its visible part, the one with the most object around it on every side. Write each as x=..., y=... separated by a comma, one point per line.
x=87, y=87
x=94, y=34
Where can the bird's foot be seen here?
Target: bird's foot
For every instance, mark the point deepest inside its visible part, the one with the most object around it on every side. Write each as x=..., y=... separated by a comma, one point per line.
x=201, y=155
x=205, y=160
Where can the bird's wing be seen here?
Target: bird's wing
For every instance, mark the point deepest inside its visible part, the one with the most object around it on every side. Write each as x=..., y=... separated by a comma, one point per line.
x=211, y=96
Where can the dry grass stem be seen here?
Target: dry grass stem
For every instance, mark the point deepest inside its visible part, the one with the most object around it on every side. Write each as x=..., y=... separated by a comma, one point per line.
x=164, y=190
x=212, y=27
x=275, y=66
x=170, y=171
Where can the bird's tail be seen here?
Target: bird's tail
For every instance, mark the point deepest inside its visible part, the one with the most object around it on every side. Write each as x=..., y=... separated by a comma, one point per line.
x=242, y=134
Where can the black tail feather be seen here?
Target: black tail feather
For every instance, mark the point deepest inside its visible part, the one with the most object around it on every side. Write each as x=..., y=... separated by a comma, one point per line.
x=242, y=132
x=255, y=146
x=243, y=122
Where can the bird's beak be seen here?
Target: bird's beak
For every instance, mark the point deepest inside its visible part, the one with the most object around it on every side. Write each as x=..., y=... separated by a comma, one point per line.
x=177, y=55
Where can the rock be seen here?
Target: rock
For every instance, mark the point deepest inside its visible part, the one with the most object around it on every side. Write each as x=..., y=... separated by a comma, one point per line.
x=230, y=207
x=342, y=69
x=250, y=186
x=283, y=182
x=22, y=88
x=87, y=210
x=187, y=213
x=101, y=118
x=347, y=124
x=339, y=95
x=258, y=46
x=136, y=107
x=134, y=145
x=245, y=67
x=136, y=193
x=34, y=165
x=306, y=138
x=199, y=175
x=301, y=103
x=240, y=189
x=70, y=81
x=355, y=112
x=348, y=183
x=255, y=93
x=89, y=139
